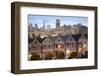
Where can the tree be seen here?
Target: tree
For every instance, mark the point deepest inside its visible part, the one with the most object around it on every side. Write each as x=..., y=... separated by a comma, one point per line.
x=76, y=37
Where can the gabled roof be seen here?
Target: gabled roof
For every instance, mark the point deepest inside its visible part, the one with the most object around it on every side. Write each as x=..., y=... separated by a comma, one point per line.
x=47, y=38
x=35, y=41
x=55, y=37
x=30, y=40
x=69, y=36
x=38, y=38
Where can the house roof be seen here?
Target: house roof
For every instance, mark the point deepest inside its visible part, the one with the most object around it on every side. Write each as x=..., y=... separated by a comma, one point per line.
x=55, y=37
x=30, y=40
x=38, y=38
x=69, y=36
x=64, y=38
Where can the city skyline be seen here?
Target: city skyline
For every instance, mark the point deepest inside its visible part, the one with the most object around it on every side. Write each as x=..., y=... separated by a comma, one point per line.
x=51, y=20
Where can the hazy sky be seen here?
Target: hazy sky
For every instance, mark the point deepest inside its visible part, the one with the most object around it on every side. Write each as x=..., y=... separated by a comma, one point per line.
x=51, y=20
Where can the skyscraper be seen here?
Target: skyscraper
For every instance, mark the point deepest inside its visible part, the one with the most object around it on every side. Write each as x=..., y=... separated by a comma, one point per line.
x=30, y=27
x=43, y=25
x=36, y=27
x=48, y=27
x=57, y=25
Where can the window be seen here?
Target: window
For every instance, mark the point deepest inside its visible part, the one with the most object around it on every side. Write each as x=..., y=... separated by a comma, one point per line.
x=49, y=46
x=49, y=41
x=67, y=44
x=35, y=42
x=58, y=40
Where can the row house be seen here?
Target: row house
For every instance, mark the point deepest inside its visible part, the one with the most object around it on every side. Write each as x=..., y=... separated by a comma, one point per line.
x=47, y=44
x=35, y=46
x=83, y=44
x=58, y=43
x=47, y=47
x=70, y=43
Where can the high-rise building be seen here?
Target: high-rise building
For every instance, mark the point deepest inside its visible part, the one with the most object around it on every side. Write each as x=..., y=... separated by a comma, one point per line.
x=36, y=27
x=43, y=25
x=48, y=27
x=57, y=25
x=30, y=27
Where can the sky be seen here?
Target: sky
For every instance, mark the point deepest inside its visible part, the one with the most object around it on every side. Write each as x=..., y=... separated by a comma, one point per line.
x=51, y=20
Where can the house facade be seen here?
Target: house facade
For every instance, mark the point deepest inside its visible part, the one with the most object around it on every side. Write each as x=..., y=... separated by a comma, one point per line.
x=83, y=44
x=35, y=46
x=47, y=44
x=59, y=44
x=70, y=43
x=52, y=45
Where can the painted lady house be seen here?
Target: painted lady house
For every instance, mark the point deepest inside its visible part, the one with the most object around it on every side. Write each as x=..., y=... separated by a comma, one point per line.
x=58, y=47
x=70, y=45
x=35, y=49
x=83, y=46
x=48, y=48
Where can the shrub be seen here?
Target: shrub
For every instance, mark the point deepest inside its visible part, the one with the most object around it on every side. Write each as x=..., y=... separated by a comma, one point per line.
x=85, y=55
x=35, y=56
x=49, y=55
x=60, y=55
x=72, y=55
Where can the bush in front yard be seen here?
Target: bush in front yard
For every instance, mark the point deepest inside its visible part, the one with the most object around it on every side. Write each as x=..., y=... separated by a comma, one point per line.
x=35, y=56
x=73, y=55
x=85, y=55
x=60, y=55
x=49, y=55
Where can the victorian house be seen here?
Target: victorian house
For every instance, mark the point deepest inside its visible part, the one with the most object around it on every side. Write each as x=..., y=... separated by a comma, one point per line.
x=65, y=44
x=47, y=44
x=83, y=44
x=35, y=46
x=70, y=44
x=59, y=44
